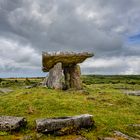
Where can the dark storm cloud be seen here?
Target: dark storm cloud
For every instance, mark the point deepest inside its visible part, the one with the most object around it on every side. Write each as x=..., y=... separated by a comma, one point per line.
x=32, y=26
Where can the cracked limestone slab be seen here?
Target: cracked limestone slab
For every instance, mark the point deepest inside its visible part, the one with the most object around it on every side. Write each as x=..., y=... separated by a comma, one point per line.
x=10, y=123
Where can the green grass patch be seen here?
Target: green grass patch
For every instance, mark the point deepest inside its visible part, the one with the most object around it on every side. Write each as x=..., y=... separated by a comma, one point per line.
x=112, y=110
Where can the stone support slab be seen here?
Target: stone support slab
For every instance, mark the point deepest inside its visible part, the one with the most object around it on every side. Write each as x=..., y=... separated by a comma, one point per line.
x=55, y=78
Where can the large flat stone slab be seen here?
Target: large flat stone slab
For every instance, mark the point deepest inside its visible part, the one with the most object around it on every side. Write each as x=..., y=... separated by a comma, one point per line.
x=66, y=58
x=10, y=123
x=55, y=78
x=64, y=123
x=5, y=90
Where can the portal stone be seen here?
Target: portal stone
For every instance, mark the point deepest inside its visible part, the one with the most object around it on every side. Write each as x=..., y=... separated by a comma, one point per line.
x=55, y=78
x=75, y=81
x=67, y=77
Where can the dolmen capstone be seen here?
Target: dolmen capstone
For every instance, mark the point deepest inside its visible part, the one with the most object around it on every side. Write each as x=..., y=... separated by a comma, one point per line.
x=63, y=68
x=64, y=125
x=11, y=123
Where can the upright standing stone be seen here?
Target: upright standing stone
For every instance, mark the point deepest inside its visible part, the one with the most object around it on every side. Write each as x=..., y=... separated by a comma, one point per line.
x=55, y=79
x=67, y=77
x=75, y=81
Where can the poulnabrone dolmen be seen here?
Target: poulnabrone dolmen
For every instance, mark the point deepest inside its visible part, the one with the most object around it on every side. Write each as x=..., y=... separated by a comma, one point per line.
x=63, y=68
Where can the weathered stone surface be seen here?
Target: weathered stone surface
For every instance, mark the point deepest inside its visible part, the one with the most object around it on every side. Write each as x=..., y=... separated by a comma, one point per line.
x=75, y=81
x=64, y=123
x=44, y=82
x=90, y=98
x=134, y=93
x=80, y=138
x=31, y=86
x=67, y=77
x=5, y=90
x=27, y=137
x=108, y=138
x=72, y=77
x=55, y=78
x=122, y=135
x=66, y=58
x=135, y=126
x=10, y=123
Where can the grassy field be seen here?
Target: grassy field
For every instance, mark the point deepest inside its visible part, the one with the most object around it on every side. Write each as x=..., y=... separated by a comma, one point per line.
x=102, y=97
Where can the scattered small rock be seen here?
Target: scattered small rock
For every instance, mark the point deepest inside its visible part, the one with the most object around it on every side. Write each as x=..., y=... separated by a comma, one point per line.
x=134, y=93
x=39, y=135
x=10, y=123
x=120, y=134
x=109, y=104
x=27, y=92
x=28, y=137
x=31, y=86
x=107, y=138
x=123, y=88
x=80, y=138
x=136, y=126
x=90, y=98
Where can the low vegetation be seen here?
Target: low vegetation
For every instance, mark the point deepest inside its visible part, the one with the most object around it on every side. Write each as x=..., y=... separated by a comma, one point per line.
x=102, y=97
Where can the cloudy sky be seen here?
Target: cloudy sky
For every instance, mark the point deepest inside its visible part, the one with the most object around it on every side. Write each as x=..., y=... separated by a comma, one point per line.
x=109, y=28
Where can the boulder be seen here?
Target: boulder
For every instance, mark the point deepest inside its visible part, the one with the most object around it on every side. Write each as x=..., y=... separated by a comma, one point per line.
x=55, y=78
x=10, y=123
x=64, y=124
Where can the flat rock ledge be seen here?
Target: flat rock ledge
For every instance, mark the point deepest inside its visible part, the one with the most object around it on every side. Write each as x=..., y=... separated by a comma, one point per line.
x=64, y=125
x=10, y=123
